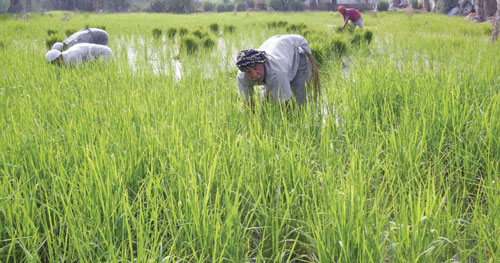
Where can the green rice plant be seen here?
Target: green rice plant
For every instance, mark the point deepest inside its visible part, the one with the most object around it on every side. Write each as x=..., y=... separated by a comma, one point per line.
x=199, y=33
x=96, y=26
x=296, y=28
x=69, y=32
x=157, y=33
x=2, y=45
x=282, y=24
x=51, y=40
x=214, y=27
x=337, y=47
x=183, y=31
x=398, y=161
x=171, y=32
x=356, y=38
x=207, y=43
x=189, y=44
x=229, y=29
x=51, y=32
x=368, y=36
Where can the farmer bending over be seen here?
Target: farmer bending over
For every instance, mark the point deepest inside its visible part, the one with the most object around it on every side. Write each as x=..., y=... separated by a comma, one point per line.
x=351, y=14
x=86, y=35
x=283, y=64
x=78, y=54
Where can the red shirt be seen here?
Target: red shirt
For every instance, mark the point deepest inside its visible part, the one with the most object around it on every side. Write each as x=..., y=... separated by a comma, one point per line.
x=351, y=14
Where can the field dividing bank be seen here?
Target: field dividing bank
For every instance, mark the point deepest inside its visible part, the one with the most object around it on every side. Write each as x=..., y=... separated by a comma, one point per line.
x=154, y=158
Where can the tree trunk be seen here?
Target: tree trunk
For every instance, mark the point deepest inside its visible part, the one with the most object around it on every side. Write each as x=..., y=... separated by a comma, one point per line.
x=15, y=6
x=490, y=7
x=494, y=34
x=480, y=10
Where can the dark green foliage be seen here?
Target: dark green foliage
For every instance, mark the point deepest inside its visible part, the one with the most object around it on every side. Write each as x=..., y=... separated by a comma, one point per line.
x=1, y=44
x=296, y=5
x=250, y=3
x=296, y=28
x=69, y=32
x=100, y=27
x=414, y=4
x=51, y=40
x=214, y=28
x=189, y=44
x=276, y=24
x=230, y=7
x=337, y=47
x=427, y=5
x=183, y=31
x=240, y=6
x=383, y=6
x=261, y=6
x=158, y=6
x=171, y=32
x=208, y=6
x=208, y=43
x=277, y=5
x=199, y=33
x=51, y=32
x=443, y=6
x=221, y=7
x=367, y=36
x=157, y=33
x=229, y=29
x=356, y=39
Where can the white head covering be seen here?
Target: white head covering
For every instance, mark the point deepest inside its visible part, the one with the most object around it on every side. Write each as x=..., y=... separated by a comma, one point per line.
x=57, y=46
x=52, y=54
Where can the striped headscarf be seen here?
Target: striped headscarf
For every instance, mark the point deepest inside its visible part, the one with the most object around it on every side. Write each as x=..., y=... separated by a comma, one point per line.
x=249, y=58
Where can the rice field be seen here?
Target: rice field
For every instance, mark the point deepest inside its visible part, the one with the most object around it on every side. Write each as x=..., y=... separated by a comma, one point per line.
x=154, y=158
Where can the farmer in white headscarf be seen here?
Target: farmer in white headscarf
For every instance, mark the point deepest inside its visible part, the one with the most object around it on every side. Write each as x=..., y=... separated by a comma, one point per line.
x=283, y=64
x=86, y=35
x=78, y=54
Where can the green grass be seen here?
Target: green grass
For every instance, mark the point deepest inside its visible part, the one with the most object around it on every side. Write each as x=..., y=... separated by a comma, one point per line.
x=127, y=162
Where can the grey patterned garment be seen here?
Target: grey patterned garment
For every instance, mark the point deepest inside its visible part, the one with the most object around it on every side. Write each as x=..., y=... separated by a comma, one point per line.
x=86, y=52
x=286, y=69
x=88, y=35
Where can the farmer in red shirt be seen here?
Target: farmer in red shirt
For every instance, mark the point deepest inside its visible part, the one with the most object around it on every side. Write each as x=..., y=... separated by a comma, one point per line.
x=351, y=14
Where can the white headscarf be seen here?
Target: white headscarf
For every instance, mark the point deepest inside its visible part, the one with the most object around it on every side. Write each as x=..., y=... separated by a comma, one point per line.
x=52, y=55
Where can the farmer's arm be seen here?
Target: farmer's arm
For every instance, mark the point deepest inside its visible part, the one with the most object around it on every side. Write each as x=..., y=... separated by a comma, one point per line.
x=345, y=23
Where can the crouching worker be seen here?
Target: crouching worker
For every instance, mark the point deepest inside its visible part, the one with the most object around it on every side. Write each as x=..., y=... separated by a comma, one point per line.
x=78, y=54
x=283, y=64
x=86, y=35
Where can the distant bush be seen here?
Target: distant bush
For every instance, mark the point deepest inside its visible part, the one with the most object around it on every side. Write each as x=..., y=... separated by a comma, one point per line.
x=51, y=40
x=171, y=32
x=383, y=6
x=208, y=43
x=240, y=7
x=414, y=4
x=183, y=31
x=220, y=7
x=189, y=44
x=296, y=5
x=262, y=6
x=157, y=33
x=229, y=29
x=158, y=6
x=51, y=32
x=208, y=6
x=427, y=5
x=230, y=7
x=69, y=32
x=443, y=6
x=250, y=3
x=277, y=5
